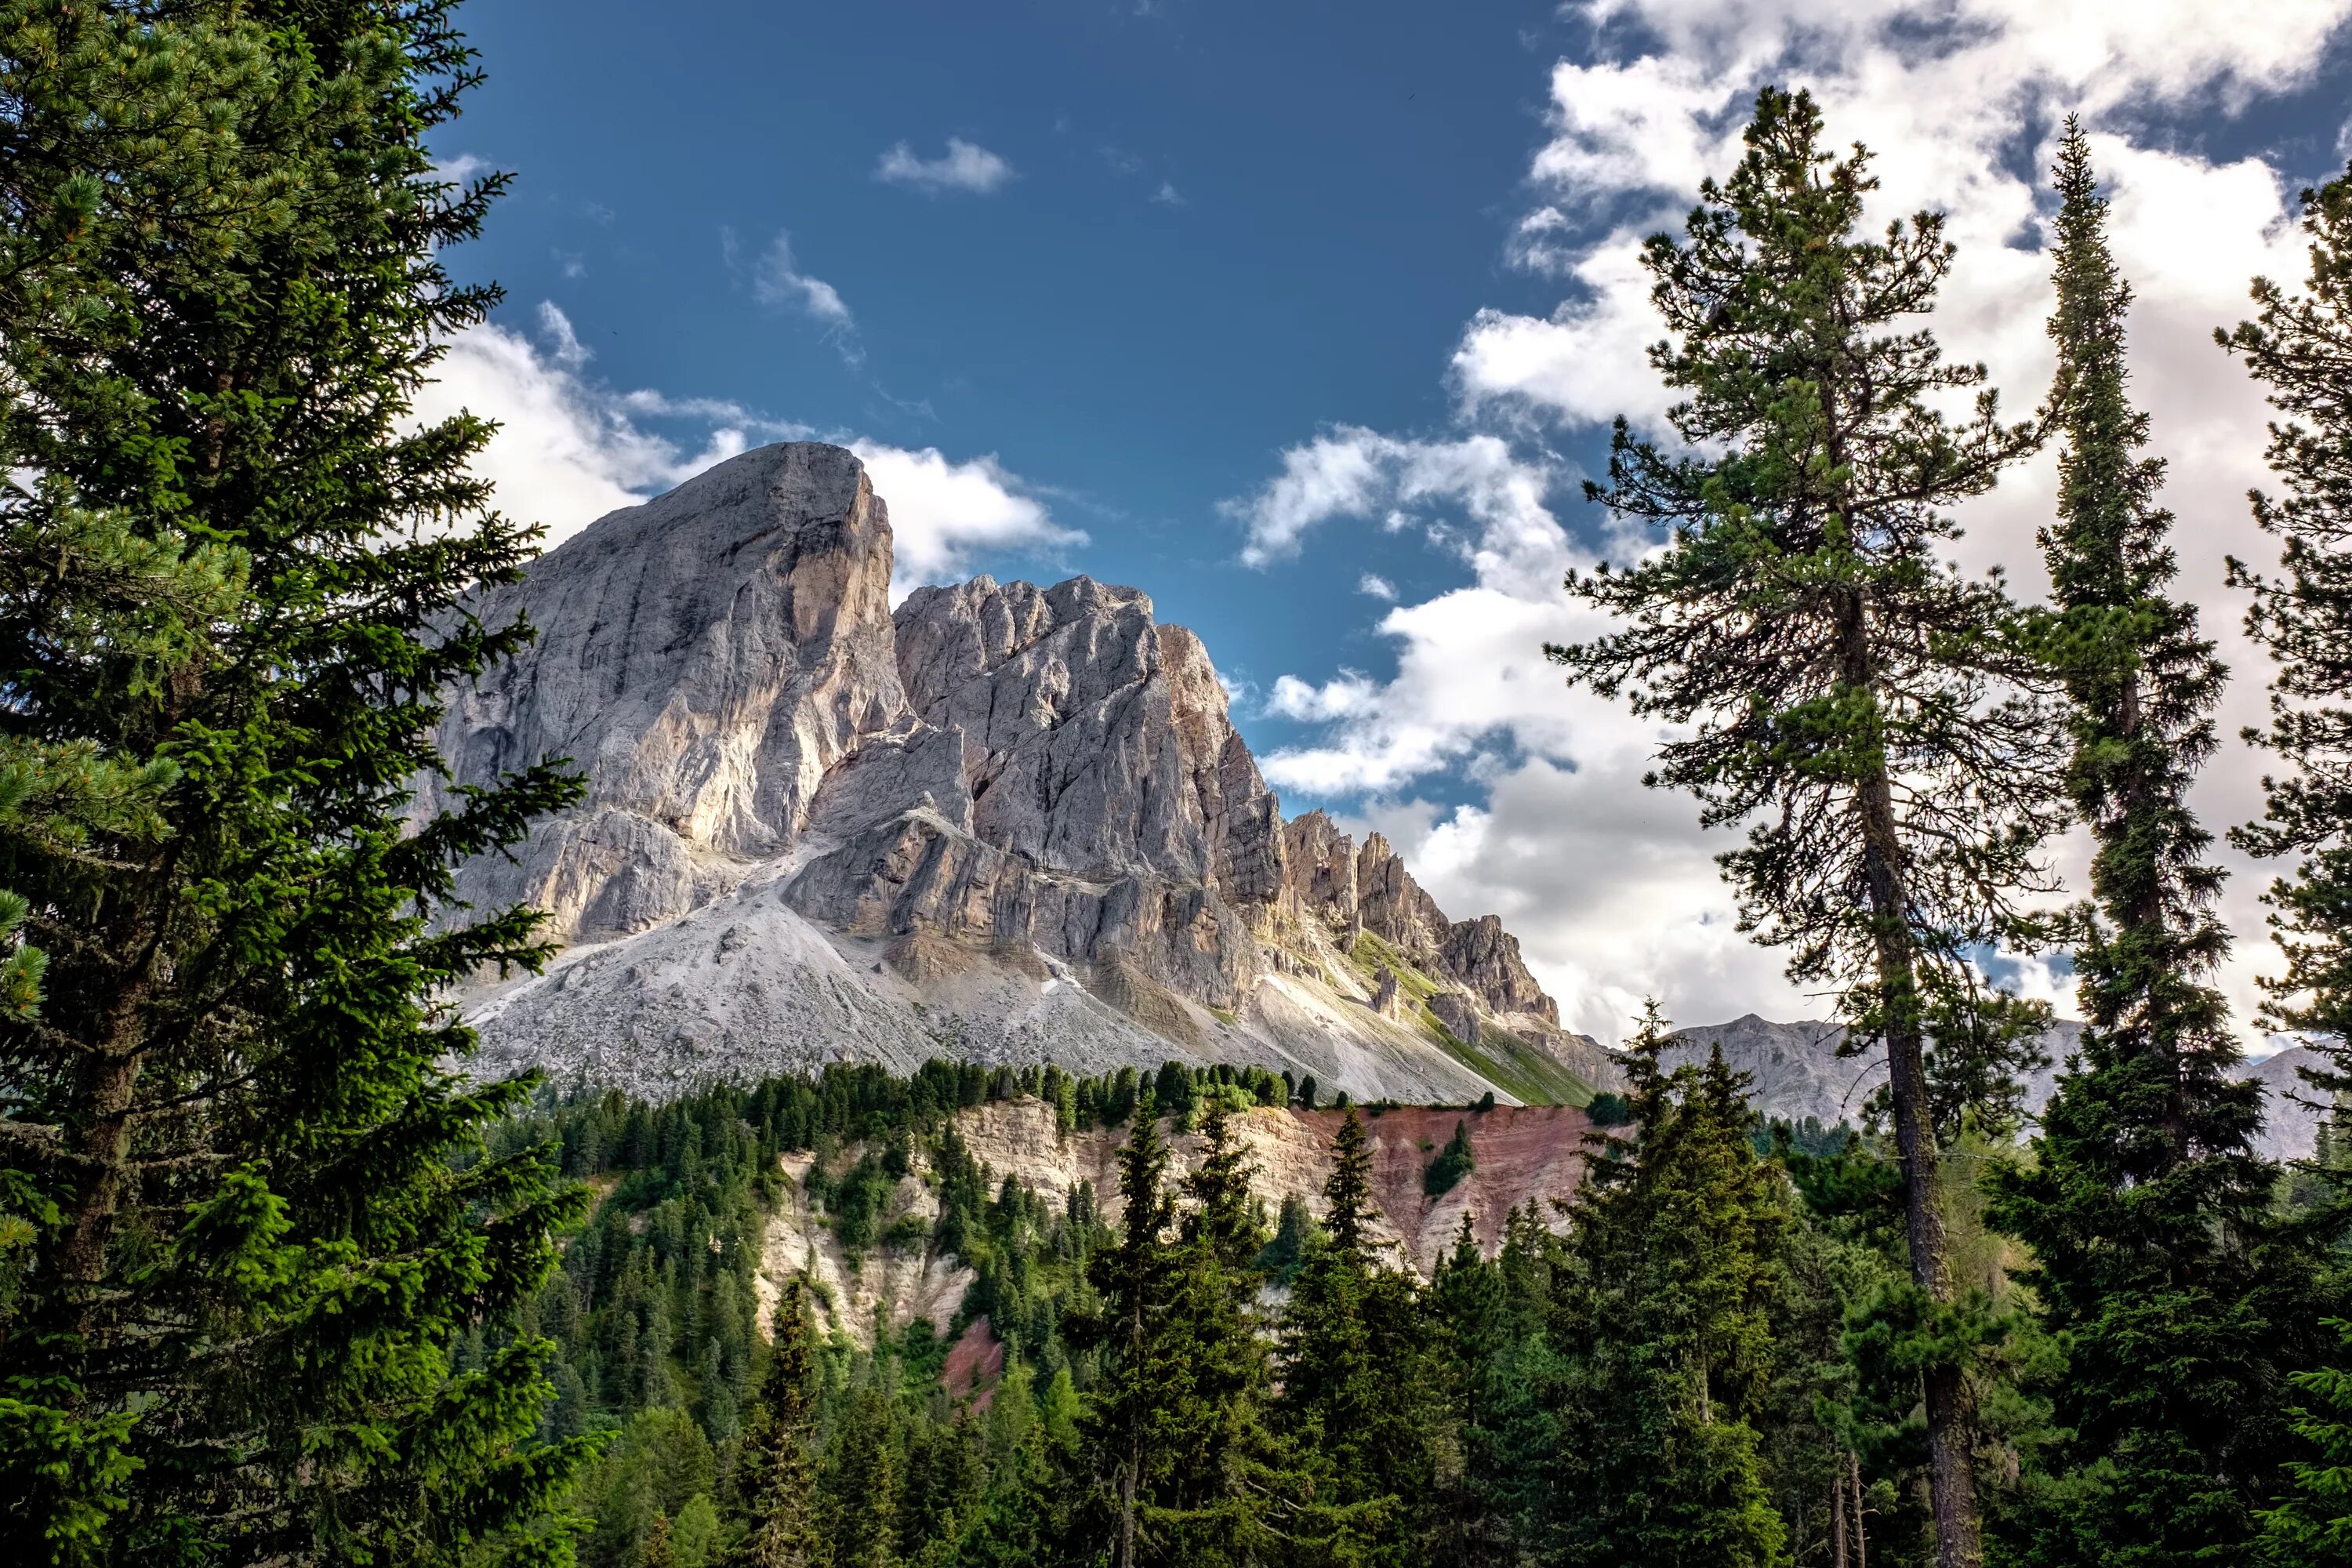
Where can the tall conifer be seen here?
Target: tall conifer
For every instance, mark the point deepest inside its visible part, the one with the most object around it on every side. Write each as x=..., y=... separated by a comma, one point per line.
x=230, y=568
x=1863, y=708
x=774, y=1478
x=1672, y=1262
x=2299, y=345
x=2146, y=1205
x=1357, y=1401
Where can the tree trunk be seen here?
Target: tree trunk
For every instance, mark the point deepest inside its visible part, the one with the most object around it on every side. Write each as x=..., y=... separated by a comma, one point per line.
x=1951, y=1478
x=1837, y=1519
x=1854, y=1473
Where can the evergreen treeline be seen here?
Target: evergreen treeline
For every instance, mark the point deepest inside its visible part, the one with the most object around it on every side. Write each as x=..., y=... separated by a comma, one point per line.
x=1697, y=1372
x=278, y=1283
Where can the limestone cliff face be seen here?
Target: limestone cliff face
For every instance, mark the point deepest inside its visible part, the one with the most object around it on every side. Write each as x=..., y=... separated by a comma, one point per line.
x=1005, y=821
x=704, y=659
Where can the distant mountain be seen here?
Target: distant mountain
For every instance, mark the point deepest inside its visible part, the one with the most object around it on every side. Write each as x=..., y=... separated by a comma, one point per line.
x=1003, y=823
x=1798, y=1073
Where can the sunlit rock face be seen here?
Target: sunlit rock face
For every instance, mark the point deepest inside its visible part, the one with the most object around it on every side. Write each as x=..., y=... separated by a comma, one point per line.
x=1004, y=821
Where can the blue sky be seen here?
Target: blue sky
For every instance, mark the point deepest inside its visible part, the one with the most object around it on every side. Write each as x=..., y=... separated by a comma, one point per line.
x=1262, y=300
x=1332, y=202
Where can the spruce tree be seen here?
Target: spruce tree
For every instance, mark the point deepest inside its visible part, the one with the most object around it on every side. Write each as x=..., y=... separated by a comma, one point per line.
x=1670, y=1268
x=1136, y=1279
x=774, y=1479
x=1211, y=1509
x=2146, y=1205
x=230, y=573
x=857, y=1492
x=1869, y=713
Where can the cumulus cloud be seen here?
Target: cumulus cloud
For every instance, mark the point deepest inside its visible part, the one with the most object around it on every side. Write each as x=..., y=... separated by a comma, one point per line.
x=1611, y=888
x=964, y=167
x=570, y=449
x=944, y=514
x=1377, y=587
x=1349, y=471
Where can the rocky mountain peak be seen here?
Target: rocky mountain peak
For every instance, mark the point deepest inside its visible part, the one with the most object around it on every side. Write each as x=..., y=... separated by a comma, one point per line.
x=1002, y=819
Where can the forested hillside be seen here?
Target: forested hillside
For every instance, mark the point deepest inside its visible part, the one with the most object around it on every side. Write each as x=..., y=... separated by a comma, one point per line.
x=287, y=1278
x=1262, y=1379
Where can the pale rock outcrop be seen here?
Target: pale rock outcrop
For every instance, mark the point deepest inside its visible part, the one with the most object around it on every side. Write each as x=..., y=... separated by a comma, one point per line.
x=703, y=659
x=1520, y=1156
x=1486, y=958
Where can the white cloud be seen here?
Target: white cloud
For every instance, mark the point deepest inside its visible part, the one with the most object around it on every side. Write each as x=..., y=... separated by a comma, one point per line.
x=1349, y=695
x=563, y=345
x=964, y=167
x=777, y=280
x=944, y=513
x=1348, y=471
x=1611, y=888
x=1168, y=195
x=570, y=449
x=1377, y=587
x=463, y=168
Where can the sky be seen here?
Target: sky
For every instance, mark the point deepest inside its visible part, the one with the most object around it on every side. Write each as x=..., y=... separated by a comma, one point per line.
x=1310, y=319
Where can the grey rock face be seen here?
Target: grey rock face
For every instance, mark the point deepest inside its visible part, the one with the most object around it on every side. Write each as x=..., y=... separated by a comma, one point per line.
x=704, y=659
x=1485, y=957
x=1797, y=1072
x=1018, y=815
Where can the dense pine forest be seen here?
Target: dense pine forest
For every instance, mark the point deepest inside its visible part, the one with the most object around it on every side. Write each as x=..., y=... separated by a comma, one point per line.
x=280, y=1283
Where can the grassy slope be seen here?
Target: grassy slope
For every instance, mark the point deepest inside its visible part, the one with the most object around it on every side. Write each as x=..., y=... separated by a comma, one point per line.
x=1501, y=1059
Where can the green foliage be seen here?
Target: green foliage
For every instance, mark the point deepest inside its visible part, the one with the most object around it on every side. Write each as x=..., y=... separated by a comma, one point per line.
x=2310, y=1527
x=2295, y=346
x=249, y=1209
x=2156, y=1260
x=1878, y=721
x=1662, y=1314
x=1453, y=1162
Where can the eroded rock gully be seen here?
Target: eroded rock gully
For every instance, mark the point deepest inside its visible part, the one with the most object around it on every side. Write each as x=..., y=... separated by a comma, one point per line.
x=1521, y=1155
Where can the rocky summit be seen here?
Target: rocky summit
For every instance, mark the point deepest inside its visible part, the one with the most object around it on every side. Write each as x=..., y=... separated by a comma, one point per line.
x=1003, y=823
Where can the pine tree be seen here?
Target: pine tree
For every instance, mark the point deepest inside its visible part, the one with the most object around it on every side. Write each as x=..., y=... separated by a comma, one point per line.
x=773, y=1476
x=1352, y=1359
x=1661, y=1317
x=857, y=1492
x=2297, y=345
x=1866, y=710
x=230, y=570
x=2310, y=1527
x=2145, y=1204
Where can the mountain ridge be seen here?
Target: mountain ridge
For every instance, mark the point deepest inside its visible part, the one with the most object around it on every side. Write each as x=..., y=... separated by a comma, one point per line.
x=1002, y=822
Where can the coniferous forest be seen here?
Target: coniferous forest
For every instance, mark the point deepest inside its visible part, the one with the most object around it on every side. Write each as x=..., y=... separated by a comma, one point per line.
x=280, y=1283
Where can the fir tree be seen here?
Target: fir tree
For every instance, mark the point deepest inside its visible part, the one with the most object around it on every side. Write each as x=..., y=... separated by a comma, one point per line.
x=1671, y=1266
x=1866, y=709
x=2145, y=1204
x=230, y=573
x=773, y=1475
